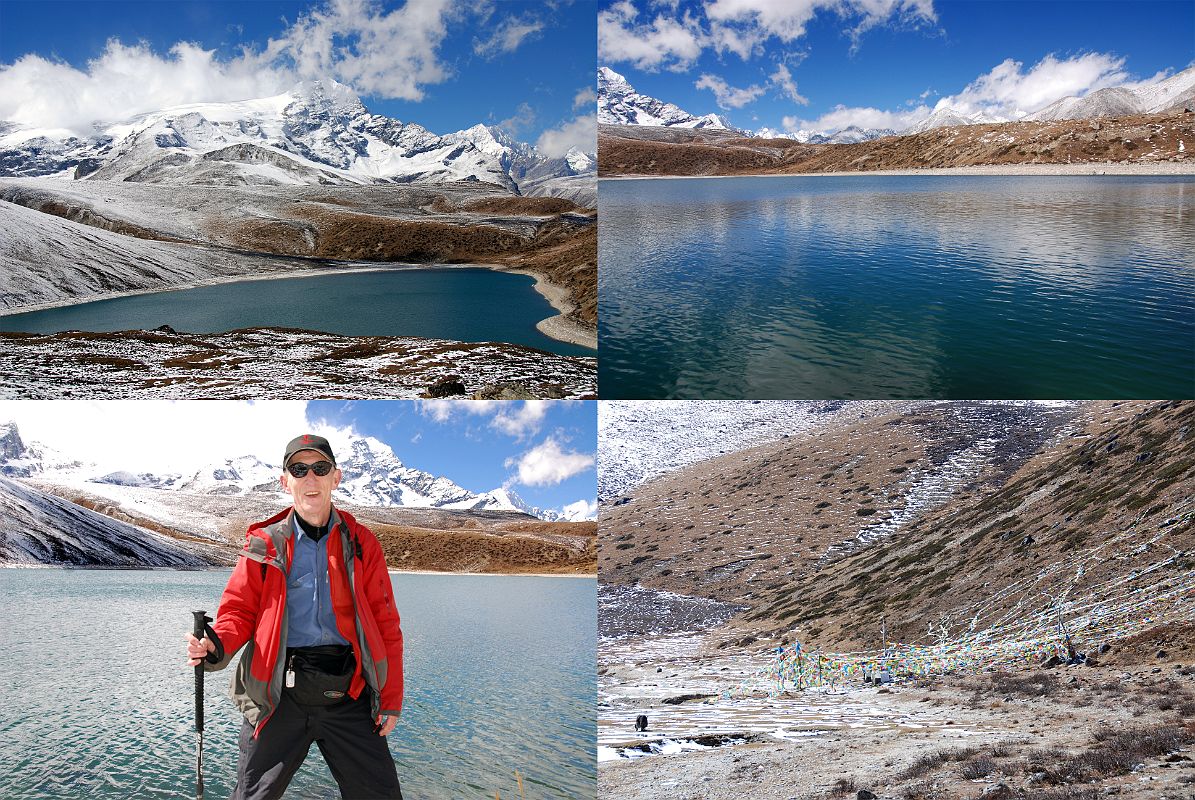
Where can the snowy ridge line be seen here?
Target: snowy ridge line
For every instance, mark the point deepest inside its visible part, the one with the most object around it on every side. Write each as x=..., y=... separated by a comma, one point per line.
x=318, y=132
x=641, y=440
x=373, y=476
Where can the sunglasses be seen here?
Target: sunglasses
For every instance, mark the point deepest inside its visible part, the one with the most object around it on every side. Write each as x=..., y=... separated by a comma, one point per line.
x=320, y=468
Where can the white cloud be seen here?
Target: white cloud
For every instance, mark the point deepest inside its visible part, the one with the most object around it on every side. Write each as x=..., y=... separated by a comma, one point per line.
x=392, y=54
x=547, y=464
x=580, y=510
x=743, y=42
x=523, y=118
x=742, y=25
x=843, y=117
x=519, y=419
x=783, y=79
x=125, y=81
x=676, y=39
x=585, y=98
x=1009, y=90
x=580, y=132
x=785, y=19
x=726, y=95
x=664, y=42
x=507, y=37
x=163, y=435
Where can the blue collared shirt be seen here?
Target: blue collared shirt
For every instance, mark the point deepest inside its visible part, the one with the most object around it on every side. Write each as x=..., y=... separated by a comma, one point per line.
x=310, y=619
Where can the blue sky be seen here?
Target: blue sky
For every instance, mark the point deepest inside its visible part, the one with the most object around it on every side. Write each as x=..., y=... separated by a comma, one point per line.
x=529, y=446
x=446, y=64
x=543, y=450
x=822, y=64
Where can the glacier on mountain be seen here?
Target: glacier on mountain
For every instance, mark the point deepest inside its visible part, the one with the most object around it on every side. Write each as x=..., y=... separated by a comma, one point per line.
x=319, y=132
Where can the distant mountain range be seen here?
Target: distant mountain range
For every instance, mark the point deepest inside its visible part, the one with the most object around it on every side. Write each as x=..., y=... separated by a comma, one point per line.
x=317, y=133
x=372, y=476
x=620, y=104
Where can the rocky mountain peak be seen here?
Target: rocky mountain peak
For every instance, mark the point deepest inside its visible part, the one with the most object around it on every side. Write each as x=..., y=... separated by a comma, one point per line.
x=619, y=104
x=11, y=446
x=328, y=96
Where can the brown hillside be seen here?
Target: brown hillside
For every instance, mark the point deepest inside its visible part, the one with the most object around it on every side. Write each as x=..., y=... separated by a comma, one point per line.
x=1105, y=494
x=412, y=538
x=739, y=527
x=558, y=548
x=1104, y=509
x=1143, y=139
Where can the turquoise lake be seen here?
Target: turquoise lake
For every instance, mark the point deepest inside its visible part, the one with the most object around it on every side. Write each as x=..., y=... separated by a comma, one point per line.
x=96, y=699
x=468, y=304
x=897, y=287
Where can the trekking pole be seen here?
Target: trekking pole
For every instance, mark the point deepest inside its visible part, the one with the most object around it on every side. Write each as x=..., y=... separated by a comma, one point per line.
x=202, y=627
x=201, y=622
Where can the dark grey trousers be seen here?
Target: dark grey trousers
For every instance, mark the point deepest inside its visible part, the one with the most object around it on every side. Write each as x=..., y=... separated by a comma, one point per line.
x=359, y=759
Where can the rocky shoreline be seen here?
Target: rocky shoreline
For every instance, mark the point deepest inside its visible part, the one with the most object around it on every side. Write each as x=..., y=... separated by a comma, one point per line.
x=1029, y=170
x=281, y=363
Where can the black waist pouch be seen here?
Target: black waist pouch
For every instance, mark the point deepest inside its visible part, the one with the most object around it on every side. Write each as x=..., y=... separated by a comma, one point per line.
x=319, y=676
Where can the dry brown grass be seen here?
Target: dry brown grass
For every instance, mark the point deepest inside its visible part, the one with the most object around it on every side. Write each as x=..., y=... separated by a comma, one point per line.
x=521, y=206
x=478, y=551
x=1117, y=139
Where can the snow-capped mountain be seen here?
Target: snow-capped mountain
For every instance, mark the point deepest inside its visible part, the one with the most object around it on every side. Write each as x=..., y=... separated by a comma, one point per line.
x=44, y=529
x=19, y=459
x=317, y=133
x=849, y=135
x=941, y=118
x=1152, y=98
x=619, y=104
x=372, y=475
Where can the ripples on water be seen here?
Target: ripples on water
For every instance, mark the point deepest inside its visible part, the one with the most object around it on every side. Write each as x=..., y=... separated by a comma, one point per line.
x=499, y=677
x=881, y=286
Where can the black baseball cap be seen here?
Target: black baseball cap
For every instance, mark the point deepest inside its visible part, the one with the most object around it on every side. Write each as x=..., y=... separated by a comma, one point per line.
x=308, y=442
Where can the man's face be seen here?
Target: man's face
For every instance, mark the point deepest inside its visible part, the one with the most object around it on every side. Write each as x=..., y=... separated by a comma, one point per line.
x=312, y=494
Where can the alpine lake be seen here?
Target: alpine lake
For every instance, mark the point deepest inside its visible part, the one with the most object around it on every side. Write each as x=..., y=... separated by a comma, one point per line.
x=96, y=698
x=467, y=304
x=881, y=286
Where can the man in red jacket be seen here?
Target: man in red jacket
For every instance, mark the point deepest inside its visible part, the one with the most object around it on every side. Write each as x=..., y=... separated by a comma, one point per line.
x=310, y=600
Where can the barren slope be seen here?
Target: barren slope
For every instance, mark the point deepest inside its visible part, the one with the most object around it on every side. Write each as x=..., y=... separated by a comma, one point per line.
x=739, y=526
x=920, y=517
x=38, y=528
x=1142, y=139
x=1102, y=522
x=412, y=538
